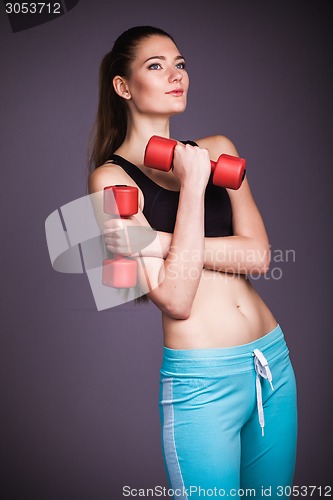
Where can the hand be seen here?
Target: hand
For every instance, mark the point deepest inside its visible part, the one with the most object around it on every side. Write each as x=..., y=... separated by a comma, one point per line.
x=191, y=165
x=127, y=237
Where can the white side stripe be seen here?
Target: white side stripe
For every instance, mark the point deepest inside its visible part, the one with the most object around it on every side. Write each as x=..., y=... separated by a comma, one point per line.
x=169, y=444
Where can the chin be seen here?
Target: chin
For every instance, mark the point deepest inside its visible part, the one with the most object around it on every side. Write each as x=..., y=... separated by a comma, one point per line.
x=165, y=111
x=172, y=113
x=180, y=108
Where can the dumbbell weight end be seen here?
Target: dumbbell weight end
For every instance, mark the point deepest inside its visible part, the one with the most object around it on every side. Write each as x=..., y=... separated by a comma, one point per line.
x=119, y=272
x=228, y=171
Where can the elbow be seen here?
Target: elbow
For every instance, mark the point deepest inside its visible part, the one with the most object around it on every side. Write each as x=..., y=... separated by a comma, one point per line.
x=262, y=269
x=171, y=304
x=266, y=260
x=183, y=315
x=265, y=266
x=177, y=310
x=262, y=263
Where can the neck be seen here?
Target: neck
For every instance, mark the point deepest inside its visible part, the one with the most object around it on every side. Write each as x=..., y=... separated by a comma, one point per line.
x=138, y=134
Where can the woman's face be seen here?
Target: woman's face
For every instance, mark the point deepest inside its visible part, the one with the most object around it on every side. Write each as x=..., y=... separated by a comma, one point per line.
x=158, y=82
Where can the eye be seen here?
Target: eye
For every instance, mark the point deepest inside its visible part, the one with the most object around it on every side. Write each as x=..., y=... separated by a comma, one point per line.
x=181, y=65
x=155, y=66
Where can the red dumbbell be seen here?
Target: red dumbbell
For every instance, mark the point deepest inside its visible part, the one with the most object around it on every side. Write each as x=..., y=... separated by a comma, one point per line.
x=122, y=201
x=228, y=171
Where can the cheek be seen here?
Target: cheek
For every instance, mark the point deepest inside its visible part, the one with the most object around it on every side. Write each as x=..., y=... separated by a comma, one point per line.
x=186, y=81
x=137, y=88
x=146, y=96
x=144, y=85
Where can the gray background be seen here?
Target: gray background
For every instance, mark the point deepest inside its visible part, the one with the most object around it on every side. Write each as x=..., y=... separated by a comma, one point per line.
x=79, y=414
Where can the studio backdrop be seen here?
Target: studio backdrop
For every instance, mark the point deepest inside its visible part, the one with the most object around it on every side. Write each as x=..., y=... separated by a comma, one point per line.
x=79, y=386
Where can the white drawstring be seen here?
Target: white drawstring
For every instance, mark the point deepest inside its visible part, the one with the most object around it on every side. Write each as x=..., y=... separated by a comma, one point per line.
x=262, y=370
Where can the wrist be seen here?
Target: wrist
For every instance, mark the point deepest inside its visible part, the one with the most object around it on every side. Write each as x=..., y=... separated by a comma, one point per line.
x=192, y=191
x=159, y=247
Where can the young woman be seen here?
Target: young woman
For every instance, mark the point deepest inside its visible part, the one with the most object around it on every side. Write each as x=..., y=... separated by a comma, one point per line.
x=228, y=392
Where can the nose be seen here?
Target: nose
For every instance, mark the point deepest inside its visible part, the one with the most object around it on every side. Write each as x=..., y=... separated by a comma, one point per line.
x=175, y=75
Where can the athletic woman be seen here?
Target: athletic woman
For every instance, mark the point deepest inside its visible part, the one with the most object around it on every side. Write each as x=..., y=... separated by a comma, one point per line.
x=227, y=393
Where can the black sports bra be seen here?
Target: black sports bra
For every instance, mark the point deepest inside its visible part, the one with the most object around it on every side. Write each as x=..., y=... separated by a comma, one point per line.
x=161, y=204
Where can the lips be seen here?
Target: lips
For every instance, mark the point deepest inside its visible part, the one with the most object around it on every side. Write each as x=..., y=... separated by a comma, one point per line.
x=176, y=92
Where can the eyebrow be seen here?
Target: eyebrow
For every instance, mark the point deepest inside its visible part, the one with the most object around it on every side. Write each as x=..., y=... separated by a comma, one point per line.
x=163, y=58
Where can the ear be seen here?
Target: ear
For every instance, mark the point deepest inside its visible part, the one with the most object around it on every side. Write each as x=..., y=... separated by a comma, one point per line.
x=120, y=87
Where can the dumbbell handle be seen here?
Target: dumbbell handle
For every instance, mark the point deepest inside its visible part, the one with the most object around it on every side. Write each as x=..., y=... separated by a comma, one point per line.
x=120, y=200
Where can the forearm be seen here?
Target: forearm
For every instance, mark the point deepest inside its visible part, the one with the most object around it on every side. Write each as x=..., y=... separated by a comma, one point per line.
x=180, y=274
x=238, y=254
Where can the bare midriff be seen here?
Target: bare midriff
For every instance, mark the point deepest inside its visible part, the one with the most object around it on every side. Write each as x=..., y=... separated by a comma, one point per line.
x=227, y=311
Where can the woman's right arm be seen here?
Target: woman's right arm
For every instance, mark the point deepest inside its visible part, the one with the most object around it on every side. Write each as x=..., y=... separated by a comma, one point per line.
x=173, y=282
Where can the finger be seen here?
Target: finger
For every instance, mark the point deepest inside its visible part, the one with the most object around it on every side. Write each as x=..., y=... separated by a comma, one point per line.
x=113, y=223
x=118, y=250
x=112, y=233
x=110, y=241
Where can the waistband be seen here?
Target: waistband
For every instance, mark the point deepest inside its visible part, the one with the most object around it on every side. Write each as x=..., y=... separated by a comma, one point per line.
x=232, y=359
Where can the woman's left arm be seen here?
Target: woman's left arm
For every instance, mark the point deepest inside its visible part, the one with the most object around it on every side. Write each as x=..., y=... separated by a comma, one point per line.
x=248, y=250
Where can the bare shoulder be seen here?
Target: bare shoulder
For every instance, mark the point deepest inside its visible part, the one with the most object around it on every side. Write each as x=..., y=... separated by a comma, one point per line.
x=106, y=175
x=216, y=145
x=111, y=174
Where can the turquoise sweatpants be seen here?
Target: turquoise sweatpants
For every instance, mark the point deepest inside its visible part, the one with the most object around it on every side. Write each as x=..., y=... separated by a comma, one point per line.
x=229, y=420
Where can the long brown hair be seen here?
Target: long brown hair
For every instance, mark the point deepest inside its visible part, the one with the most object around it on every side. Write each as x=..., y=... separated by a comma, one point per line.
x=110, y=126
x=109, y=129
